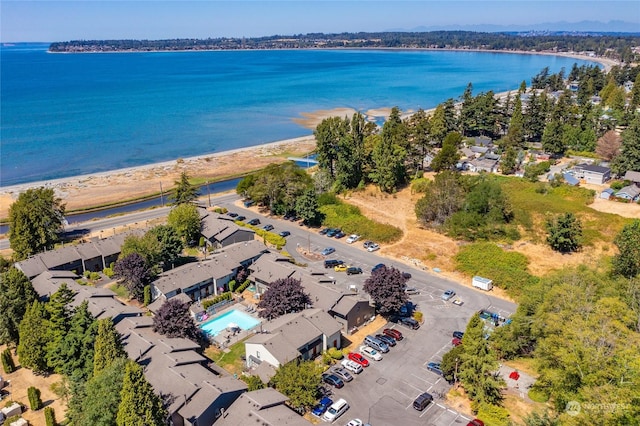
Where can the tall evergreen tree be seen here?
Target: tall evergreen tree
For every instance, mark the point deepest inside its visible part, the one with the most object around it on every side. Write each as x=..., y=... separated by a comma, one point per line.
x=101, y=397
x=438, y=124
x=467, y=110
x=183, y=191
x=16, y=294
x=35, y=220
x=328, y=135
x=59, y=314
x=34, y=335
x=629, y=157
x=515, y=135
x=448, y=156
x=74, y=352
x=139, y=405
x=389, y=156
x=108, y=346
x=627, y=262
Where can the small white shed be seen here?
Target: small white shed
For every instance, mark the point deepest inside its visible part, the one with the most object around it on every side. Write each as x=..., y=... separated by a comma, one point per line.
x=482, y=283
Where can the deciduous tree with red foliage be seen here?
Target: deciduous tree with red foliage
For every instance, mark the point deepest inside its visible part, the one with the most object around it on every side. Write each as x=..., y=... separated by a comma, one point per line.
x=173, y=320
x=284, y=296
x=134, y=272
x=386, y=288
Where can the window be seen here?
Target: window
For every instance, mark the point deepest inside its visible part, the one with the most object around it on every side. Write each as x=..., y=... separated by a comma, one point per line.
x=258, y=354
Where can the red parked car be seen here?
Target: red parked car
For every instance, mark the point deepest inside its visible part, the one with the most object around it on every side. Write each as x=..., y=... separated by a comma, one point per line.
x=475, y=422
x=391, y=332
x=358, y=358
x=456, y=342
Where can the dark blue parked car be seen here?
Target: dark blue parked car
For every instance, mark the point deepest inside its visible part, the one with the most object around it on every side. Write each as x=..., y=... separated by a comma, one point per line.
x=322, y=406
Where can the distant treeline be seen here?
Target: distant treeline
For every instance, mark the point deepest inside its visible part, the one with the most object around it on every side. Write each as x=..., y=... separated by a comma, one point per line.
x=614, y=46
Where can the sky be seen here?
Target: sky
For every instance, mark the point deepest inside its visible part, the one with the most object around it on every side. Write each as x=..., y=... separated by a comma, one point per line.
x=52, y=20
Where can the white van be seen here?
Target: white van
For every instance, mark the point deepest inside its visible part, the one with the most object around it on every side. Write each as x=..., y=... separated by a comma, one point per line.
x=336, y=410
x=352, y=366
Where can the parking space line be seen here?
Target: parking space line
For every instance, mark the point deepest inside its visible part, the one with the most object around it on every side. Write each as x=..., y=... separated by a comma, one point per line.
x=420, y=378
x=415, y=387
x=426, y=411
x=402, y=393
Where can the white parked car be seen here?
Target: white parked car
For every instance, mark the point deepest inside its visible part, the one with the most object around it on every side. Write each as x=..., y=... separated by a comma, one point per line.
x=336, y=410
x=355, y=422
x=352, y=366
x=369, y=352
x=353, y=238
x=373, y=247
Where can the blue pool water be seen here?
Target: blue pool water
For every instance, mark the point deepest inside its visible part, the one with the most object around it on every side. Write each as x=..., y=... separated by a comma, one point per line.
x=216, y=325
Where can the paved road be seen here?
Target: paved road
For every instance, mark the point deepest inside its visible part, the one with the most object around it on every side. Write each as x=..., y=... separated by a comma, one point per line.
x=384, y=392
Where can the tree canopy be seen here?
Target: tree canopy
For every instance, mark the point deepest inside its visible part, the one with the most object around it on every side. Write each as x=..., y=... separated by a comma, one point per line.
x=139, y=405
x=284, y=295
x=108, y=346
x=35, y=220
x=174, y=320
x=184, y=192
x=564, y=233
x=184, y=218
x=627, y=261
x=386, y=287
x=16, y=295
x=134, y=272
x=299, y=381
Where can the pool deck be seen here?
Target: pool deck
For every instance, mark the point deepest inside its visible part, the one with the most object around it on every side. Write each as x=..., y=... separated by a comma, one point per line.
x=226, y=338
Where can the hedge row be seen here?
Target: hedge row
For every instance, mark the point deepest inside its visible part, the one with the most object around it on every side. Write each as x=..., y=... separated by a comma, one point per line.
x=219, y=298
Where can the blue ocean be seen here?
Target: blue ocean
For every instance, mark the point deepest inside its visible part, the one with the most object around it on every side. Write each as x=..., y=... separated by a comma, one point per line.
x=71, y=114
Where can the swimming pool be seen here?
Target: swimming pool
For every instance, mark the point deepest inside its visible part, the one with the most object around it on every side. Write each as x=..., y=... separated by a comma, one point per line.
x=214, y=326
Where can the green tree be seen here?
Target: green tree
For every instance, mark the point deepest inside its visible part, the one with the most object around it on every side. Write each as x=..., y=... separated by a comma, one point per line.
x=443, y=197
x=389, y=155
x=450, y=364
x=535, y=118
x=479, y=366
x=299, y=381
x=185, y=219
x=515, y=135
x=564, y=233
x=139, y=405
x=170, y=244
x=108, y=346
x=253, y=382
x=627, y=261
x=307, y=208
x=328, y=135
x=448, y=156
x=74, y=352
x=16, y=294
x=629, y=158
x=146, y=245
x=468, y=110
x=34, y=336
x=59, y=317
x=183, y=191
x=552, y=138
x=509, y=161
x=438, y=124
x=102, y=396
x=35, y=220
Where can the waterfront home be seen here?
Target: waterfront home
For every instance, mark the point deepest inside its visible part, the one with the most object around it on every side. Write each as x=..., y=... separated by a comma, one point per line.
x=302, y=335
x=93, y=255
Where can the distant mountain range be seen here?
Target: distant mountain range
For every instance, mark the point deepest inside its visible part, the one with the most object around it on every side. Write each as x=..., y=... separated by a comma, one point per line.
x=551, y=28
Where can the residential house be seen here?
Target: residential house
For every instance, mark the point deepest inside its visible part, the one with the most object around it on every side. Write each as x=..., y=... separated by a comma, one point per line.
x=348, y=307
x=196, y=394
x=631, y=193
x=209, y=277
x=428, y=158
x=301, y=335
x=632, y=176
x=266, y=407
x=221, y=231
x=93, y=255
x=483, y=141
x=489, y=163
x=597, y=175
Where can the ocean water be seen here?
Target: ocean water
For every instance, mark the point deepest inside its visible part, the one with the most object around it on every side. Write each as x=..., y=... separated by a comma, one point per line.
x=69, y=114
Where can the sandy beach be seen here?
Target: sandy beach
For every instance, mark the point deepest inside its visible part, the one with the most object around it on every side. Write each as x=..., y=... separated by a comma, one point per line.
x=82, y=192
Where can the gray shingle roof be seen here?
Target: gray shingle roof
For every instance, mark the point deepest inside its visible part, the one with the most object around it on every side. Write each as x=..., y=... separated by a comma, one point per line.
x=263, y=407
x=632, y=176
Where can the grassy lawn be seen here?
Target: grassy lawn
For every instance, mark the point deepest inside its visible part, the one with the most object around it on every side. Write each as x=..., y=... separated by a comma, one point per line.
x=232, y=360
x=120, y=291
x=533, y=202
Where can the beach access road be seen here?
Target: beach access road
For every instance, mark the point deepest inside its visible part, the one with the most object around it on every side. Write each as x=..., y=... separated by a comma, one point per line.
x=110, y=225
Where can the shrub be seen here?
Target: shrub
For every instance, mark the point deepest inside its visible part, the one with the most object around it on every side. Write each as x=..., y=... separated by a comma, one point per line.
x=50, y=416
x=201, y=242
x=219, y=298
x=493, y=414
x=147, y=295
x=351, y=221
x=335, y=353
x=87, y=274
x=34, y=398
x=538, y=395
x=232, y=285
x=243, y=287
x=94, y=276
x=419, y=185
x=7, y=361
x=617, y=185
x=108, y=272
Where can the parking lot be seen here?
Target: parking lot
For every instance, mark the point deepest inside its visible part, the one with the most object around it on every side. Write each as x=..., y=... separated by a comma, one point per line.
x=384, y=392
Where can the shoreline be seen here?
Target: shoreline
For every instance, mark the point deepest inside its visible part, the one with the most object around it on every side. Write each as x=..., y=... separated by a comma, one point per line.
x=82, y=192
